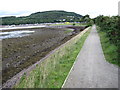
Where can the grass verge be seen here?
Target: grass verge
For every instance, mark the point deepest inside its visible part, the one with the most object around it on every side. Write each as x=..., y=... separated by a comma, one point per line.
x=52, y=72
x=110, y=50
x=69, y=30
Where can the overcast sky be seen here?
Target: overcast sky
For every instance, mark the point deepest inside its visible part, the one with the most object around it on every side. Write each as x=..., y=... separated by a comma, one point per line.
x=83, y=7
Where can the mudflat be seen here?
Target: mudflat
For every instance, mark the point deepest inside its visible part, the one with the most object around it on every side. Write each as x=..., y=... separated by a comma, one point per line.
x=21, y=52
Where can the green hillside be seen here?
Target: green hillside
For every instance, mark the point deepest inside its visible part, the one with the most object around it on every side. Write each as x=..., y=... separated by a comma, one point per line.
x=42, y=17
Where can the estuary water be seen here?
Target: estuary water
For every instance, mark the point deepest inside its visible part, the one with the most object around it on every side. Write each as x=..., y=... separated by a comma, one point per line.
x=14, y=34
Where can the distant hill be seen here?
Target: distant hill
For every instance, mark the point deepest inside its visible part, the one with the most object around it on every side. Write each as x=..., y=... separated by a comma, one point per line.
x=42, y=17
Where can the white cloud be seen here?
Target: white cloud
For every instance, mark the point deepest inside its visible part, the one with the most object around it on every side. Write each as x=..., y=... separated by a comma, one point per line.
x=92, y=7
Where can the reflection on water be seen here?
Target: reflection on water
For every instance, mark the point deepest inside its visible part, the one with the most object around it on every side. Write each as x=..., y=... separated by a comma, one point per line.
x=14, y=34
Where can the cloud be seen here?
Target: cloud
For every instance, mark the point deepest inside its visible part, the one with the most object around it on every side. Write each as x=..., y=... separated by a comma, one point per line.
x=92, y=7
x=20, y=13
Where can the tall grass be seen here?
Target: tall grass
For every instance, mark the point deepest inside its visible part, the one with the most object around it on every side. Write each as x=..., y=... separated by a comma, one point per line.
x=52, y=72
x=109, y=49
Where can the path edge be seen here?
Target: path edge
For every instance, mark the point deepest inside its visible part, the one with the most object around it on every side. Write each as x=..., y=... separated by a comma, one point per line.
x=71, y=68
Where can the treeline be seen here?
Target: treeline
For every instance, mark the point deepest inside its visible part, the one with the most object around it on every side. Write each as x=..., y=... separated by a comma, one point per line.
x=42, y=17
x=111, y=26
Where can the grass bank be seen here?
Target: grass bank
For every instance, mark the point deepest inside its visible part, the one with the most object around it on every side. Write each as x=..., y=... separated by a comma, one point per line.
x=75, y=24
x=110, y=50
x=52, y=72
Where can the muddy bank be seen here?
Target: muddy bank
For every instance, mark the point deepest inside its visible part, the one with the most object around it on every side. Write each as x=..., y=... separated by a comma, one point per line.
x=20, y=53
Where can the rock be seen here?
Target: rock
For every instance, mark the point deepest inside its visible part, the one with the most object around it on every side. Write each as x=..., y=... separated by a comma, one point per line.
x=7, y=65
x=34, y=45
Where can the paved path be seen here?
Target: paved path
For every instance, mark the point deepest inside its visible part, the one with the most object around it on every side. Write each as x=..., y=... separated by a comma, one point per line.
x=91, y=69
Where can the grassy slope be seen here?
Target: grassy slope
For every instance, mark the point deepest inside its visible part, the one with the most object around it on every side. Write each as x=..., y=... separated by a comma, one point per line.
x=53, y=71
x=110, y=50
x=76, y=24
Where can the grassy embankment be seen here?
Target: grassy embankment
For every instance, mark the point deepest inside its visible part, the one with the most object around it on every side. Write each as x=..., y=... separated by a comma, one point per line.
x=52, y=72
x=75, y=24
x=110, y=50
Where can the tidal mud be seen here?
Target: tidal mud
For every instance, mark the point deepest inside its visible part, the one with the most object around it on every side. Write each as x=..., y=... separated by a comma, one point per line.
x=21, y=52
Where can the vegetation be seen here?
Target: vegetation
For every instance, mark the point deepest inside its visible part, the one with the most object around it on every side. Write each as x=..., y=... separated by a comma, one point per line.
x=68, y=23
x=87, y=20
x=110, y=50
x=109, y=29
x=52, y=72
x=42, y=17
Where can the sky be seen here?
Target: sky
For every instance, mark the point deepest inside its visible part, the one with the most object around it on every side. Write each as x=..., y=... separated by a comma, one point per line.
x=26, y=7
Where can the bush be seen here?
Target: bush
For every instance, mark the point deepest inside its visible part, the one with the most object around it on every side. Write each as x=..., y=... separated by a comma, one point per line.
x=110, y=26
